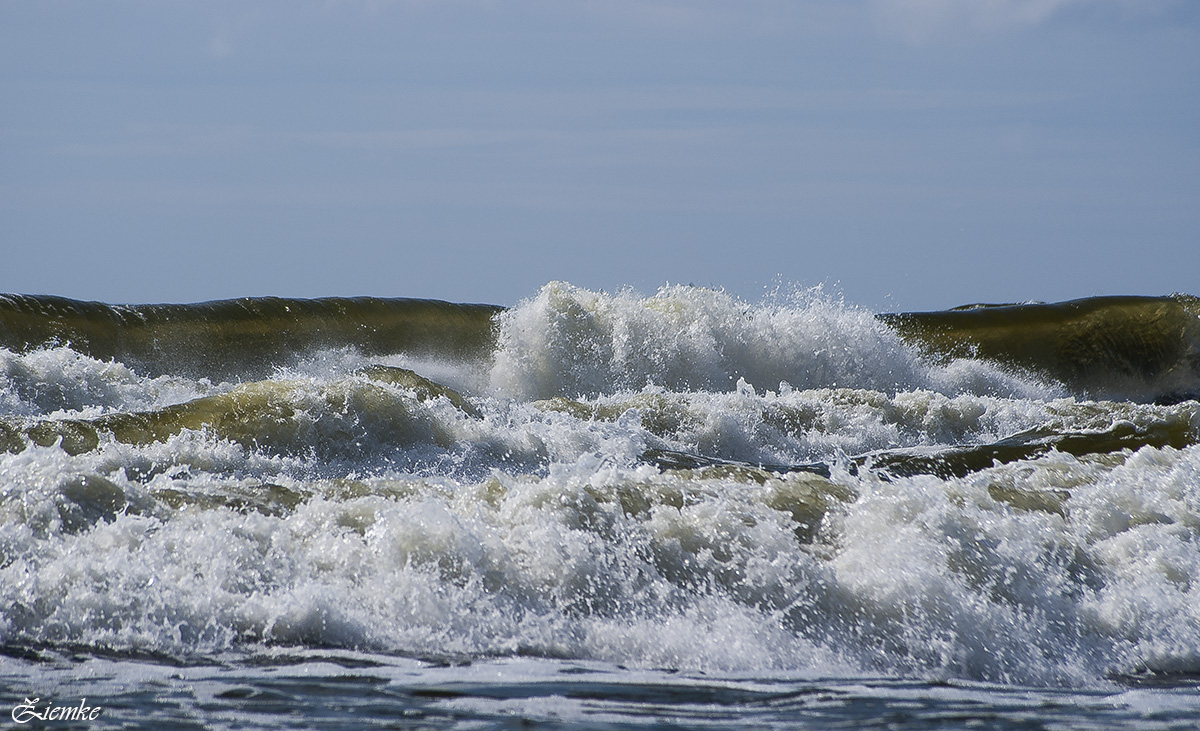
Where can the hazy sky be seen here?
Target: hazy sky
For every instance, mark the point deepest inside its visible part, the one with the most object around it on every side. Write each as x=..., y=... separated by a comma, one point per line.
x=911, y=154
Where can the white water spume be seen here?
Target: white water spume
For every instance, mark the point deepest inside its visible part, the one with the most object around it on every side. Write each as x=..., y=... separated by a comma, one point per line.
x=60, y=380
x=362, y=514
x=915, y=576
x=569, y=341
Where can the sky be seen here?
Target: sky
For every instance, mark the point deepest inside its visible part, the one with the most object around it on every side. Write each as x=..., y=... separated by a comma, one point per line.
x=901, y=154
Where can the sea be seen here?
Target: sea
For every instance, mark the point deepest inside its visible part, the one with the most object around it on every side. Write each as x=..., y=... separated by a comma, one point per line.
x=600, y=509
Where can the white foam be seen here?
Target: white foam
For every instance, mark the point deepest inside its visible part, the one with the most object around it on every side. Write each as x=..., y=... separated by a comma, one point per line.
x=59, y=380
x=361, y=516
x=570, y=341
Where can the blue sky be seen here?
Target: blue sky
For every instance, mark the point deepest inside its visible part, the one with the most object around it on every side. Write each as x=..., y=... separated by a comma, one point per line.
x=909, y=154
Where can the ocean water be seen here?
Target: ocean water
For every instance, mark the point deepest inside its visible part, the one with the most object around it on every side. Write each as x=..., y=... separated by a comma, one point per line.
x=600, y=509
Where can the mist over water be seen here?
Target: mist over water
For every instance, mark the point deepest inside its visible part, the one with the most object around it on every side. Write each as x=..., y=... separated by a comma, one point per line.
x=681, y=482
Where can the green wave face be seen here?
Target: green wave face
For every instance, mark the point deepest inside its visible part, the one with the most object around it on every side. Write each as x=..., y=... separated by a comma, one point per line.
x=379, y=406
x=1141, y=346
x=245, y=337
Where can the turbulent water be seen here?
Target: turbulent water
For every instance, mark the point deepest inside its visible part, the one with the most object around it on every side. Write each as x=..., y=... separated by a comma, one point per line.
x=612, y=509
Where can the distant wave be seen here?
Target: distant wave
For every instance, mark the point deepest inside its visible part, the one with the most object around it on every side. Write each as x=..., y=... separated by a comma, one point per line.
x=1141, y=347
x=253, y=334
x=568, y=341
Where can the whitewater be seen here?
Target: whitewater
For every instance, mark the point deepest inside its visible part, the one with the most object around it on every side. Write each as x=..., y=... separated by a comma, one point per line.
x=604, y=509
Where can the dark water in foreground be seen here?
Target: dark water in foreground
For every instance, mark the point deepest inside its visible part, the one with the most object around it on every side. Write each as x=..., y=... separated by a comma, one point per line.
x=290, y=688
x=618, y=511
